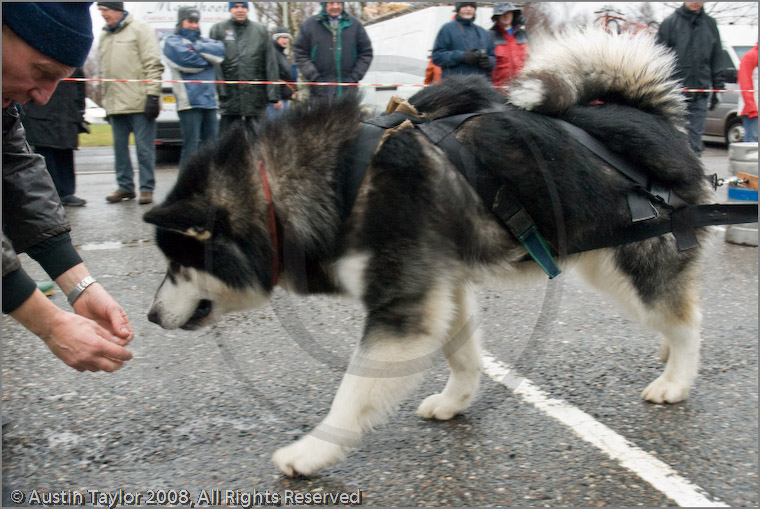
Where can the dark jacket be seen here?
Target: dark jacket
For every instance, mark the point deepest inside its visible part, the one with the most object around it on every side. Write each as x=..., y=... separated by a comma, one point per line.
x=695, y=39
x=249, y=56
x=456, y=37
x=511, y=50
x=286, y=72
x=57, y=124
x=323, y=55
x=33, y=217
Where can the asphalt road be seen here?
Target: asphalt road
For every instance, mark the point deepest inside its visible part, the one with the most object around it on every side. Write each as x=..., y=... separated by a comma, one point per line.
x=205, y=410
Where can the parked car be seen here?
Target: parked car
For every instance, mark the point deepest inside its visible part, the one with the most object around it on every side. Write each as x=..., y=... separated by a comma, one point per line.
x=723, y=124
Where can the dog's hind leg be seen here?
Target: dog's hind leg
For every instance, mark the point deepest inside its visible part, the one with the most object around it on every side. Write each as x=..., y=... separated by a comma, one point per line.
x=401, y=339
x=665, y=301
x=462, y=349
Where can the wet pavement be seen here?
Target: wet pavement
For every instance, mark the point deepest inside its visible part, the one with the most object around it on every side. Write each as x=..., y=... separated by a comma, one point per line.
x=205, y=410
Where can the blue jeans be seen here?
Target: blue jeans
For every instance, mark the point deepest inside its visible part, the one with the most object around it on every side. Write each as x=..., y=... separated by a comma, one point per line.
x=145, y=139
x=750, y=128
x=197, y=125
x=695, y=120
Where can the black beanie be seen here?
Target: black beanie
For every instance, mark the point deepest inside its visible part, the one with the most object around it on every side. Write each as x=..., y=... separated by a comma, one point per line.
x=115, y=6
x=459, y=5
x=184, y=13
x=59, y=30
x=281, y=32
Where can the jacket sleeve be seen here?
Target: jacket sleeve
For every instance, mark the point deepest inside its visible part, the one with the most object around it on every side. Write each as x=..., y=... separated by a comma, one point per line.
x=716, y=61
x=183, y=56
x=444, y=54
x=81, y=93
x=210, y=49
x=150, y=56
x=273, y=69
x=216, y=33
x=302, y=54
x=363, y=54
x=746, y=67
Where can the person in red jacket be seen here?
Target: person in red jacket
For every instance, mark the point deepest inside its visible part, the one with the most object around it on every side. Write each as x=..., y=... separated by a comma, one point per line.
x=748, y=100
x=510, y=42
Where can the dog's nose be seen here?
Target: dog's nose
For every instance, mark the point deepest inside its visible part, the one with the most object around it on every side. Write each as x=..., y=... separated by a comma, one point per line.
x=153, y=316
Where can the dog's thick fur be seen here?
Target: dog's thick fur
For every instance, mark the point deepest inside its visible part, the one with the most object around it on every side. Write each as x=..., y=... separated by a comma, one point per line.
x=418, y=235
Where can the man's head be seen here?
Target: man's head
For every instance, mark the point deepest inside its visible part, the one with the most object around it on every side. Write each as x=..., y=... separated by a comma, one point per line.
x=188, y=17
x=333, y=9
x=694, y=6
x=505, y=13
x=466, y=10
x=42, y=44
x=239, y=10
x=282, y=36
x=112, y=12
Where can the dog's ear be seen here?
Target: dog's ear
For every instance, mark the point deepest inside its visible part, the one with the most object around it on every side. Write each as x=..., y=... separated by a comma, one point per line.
x=195, y=220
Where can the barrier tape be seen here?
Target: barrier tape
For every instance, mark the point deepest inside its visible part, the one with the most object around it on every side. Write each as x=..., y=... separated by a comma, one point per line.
x=315, y=83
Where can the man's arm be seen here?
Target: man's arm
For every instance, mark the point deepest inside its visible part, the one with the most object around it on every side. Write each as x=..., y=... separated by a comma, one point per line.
x=302, y=55
x=363, y=54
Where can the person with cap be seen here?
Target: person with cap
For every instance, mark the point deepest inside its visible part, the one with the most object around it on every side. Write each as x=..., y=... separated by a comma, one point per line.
x=510, y=42
x=192, y=57
x=332, y=47
x=249, y=56
x=36, y=56
x=281, y=40
x=694, y=38
x=128, y=49
x=462, y=47
x=53, y=130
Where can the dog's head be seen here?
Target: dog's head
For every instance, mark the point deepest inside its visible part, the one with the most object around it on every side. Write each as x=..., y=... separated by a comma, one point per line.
x=213, y=230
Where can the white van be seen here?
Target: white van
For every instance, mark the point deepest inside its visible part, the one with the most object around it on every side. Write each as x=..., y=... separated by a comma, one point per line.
x=163, y=17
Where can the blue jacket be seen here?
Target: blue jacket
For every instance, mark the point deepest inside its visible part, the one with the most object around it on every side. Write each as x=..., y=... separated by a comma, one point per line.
x=192, y=57
x=456, y=37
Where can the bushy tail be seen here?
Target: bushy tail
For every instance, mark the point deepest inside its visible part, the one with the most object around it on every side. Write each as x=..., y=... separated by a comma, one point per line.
x=585, y=65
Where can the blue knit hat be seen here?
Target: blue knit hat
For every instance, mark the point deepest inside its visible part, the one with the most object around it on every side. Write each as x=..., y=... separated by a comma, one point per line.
x=232, y=4
x=59, y=30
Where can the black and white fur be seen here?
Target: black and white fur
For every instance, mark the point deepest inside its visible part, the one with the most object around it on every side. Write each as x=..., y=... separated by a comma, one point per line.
x=418, y=236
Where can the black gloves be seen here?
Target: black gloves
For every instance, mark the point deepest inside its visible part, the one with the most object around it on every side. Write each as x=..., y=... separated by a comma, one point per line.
x=471, y=57
x=714, y=101
x=484, y=62
x=151, y=107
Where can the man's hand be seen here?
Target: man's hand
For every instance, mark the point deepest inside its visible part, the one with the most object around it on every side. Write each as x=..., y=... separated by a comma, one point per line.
x=152, y=108
x=97, y=304
x=714, y=101
x=471, y=57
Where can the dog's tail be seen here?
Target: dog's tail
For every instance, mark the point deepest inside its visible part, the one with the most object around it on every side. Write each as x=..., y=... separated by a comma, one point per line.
x=590, y=64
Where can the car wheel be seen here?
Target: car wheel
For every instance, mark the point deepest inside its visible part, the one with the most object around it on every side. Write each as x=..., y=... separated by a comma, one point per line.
x=734, y=131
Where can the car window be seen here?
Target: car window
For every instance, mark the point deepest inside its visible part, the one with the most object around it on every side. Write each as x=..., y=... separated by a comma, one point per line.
x=741, y=50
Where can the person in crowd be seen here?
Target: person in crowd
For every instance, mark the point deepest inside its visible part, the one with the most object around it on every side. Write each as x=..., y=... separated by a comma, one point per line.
x=36, y=56
x=192, y=57
x=128, y=49
x=462, y=47
x=332, y=47
x=747, y=78
x=53, y=131
x=281, y=39
x=694, y=37
x=249, y=56
x=510, y=42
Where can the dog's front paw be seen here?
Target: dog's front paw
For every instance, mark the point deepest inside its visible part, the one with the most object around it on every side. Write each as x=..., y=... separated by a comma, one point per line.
x=665, y=391
x=438, y=406
x=307, y=456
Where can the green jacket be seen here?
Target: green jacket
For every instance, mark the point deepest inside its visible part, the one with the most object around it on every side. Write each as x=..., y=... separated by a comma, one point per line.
x=131, y=51
x=249, y=56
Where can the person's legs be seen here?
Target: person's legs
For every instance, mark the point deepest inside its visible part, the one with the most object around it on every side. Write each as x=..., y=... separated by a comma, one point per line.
x=145, y=141
x=209, y=125
x=227, y=121
x=750, y=128
x=190, y=124
x=121, y=126
x=695, y=119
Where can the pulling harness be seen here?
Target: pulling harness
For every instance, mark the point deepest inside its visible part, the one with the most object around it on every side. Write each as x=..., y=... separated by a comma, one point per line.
x=684, y=218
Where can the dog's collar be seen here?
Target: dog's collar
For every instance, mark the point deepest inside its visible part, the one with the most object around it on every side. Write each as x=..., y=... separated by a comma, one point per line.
x=272, y=225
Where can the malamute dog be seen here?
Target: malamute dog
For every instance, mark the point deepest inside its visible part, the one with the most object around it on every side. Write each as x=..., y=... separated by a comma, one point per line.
x=247, y=215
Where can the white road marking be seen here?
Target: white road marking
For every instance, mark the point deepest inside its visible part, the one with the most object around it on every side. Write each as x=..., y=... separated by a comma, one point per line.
x=657, y=473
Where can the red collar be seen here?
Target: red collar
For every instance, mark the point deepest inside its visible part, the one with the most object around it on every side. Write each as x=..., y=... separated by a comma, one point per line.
x=272, y=226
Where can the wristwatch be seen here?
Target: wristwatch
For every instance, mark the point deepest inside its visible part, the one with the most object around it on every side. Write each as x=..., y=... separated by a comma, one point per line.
x=79, y=288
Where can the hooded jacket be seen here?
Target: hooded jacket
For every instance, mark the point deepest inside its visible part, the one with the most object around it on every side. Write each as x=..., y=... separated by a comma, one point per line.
x=324, y=54
x=130, y=51
x=249, y=56
x=33, y=218
x=511, y=50
x=695, y=39
x=192, y=57
x=456, y=37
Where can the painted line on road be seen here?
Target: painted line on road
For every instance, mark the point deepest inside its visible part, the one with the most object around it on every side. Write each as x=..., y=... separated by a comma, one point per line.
x=652, y=470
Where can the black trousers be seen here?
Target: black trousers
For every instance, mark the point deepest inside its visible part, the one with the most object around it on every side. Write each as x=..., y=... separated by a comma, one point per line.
x=227, y=122
x=60, y=165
